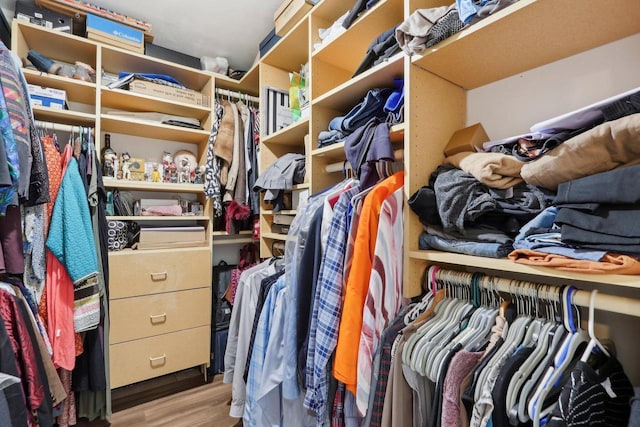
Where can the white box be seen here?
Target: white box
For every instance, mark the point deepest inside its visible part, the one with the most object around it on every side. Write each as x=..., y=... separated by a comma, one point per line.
x=299, y=198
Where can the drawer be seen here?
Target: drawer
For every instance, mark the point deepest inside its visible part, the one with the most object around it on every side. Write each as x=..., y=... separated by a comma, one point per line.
x=149, y=315
x=140, y=360
x=134, y=273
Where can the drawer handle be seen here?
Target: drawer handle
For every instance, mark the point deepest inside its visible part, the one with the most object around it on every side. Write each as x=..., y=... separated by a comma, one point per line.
x=153, y=360
x=156, y=277
x=158, y=318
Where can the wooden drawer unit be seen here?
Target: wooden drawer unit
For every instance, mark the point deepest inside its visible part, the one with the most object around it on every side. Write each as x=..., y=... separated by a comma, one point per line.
x=135, y=273
x=140, y=360
x=145, y=316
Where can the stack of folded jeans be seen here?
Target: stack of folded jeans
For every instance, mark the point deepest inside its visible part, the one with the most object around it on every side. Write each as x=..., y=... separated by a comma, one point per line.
x=601, y=211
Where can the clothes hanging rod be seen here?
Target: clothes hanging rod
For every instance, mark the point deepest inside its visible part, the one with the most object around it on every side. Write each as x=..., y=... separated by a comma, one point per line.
x=237, y=95
x=61, y=126
x=612, y=303
x=340, y=166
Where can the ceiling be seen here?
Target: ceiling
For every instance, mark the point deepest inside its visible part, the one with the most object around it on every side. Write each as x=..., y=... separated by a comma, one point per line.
x=227, y=28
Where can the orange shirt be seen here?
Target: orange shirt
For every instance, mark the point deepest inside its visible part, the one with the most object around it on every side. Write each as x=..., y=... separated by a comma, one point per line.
x=357, y=284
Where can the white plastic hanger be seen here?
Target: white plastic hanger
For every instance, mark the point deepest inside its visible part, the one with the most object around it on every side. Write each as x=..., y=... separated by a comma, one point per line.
x=593, y=342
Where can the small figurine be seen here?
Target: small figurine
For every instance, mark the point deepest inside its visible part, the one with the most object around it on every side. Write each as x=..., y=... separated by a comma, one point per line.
x=155, y=175
x=108, y=165
x=126, y=165
x=199, y=175
x=167, y=165
x=185, y=172
x=173, y=173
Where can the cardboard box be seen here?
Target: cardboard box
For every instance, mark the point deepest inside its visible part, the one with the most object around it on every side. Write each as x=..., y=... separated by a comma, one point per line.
x=468, y=139
x=122, y=32
x=167, y=92
x=48, y=97
x=113, y=41
x=29, y=12
x=289, y=14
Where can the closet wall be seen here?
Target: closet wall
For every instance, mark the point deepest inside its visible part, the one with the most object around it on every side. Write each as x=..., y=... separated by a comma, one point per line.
x=510, y=106
x=491, y=73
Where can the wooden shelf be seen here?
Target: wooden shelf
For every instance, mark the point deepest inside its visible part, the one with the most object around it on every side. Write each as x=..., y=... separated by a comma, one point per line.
x=130, y=101
x=116, y=60
x=331, y=10
x=526, y=35
x=396, y=133
x=330, y=152
x=348, y=49
x=292, y=50
x=345, y=96
x=153, y=186
x=129, y=126
x=159, y=218
x=68, y=117
x=77, y=90
x=217, y=241
x=292, y=135
x=509, y=266
x=55, y=45
x=225, y=234
x=273, y=236
x=301, y=186
x=284, y=212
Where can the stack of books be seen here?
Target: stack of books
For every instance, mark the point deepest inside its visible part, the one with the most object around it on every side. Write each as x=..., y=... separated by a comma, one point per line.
x=277, y=114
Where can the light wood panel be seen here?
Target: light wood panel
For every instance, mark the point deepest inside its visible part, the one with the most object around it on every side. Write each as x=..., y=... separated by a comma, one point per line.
x=349, y=48
x=130, y=101
x=166, y=187
x=292, y=135
x=145, y=272
x=291, y=51
x=350, y=92
x=77, y=90
x=528, y=34
x=139, y=360
x=68, y=117
x=149, y=315
x=129, y=126
x=56, y=45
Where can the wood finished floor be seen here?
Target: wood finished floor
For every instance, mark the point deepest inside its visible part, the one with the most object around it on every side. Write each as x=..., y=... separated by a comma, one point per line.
x=200, y=406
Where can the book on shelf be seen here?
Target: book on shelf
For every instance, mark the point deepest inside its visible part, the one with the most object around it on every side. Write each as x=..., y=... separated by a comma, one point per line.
x=171, y=237
x=277, y=114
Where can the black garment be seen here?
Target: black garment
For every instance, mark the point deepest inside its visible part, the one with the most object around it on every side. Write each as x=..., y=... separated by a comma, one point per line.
x=365, y=147
x=594, y=396
x=45, y=410
x=307, y=281
x=39, y=178
x=382, y=47
x=423, y=203
x=499, y=392
x=357, y=9
x=467, y=396
x=14, y=393
x=265, y=287
x=462, y=199
x=435, y=419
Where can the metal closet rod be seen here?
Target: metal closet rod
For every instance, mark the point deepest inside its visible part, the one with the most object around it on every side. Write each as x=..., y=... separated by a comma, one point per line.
x=61, y=127
x=612, y=303
x=237, y=95
x=340, y=166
